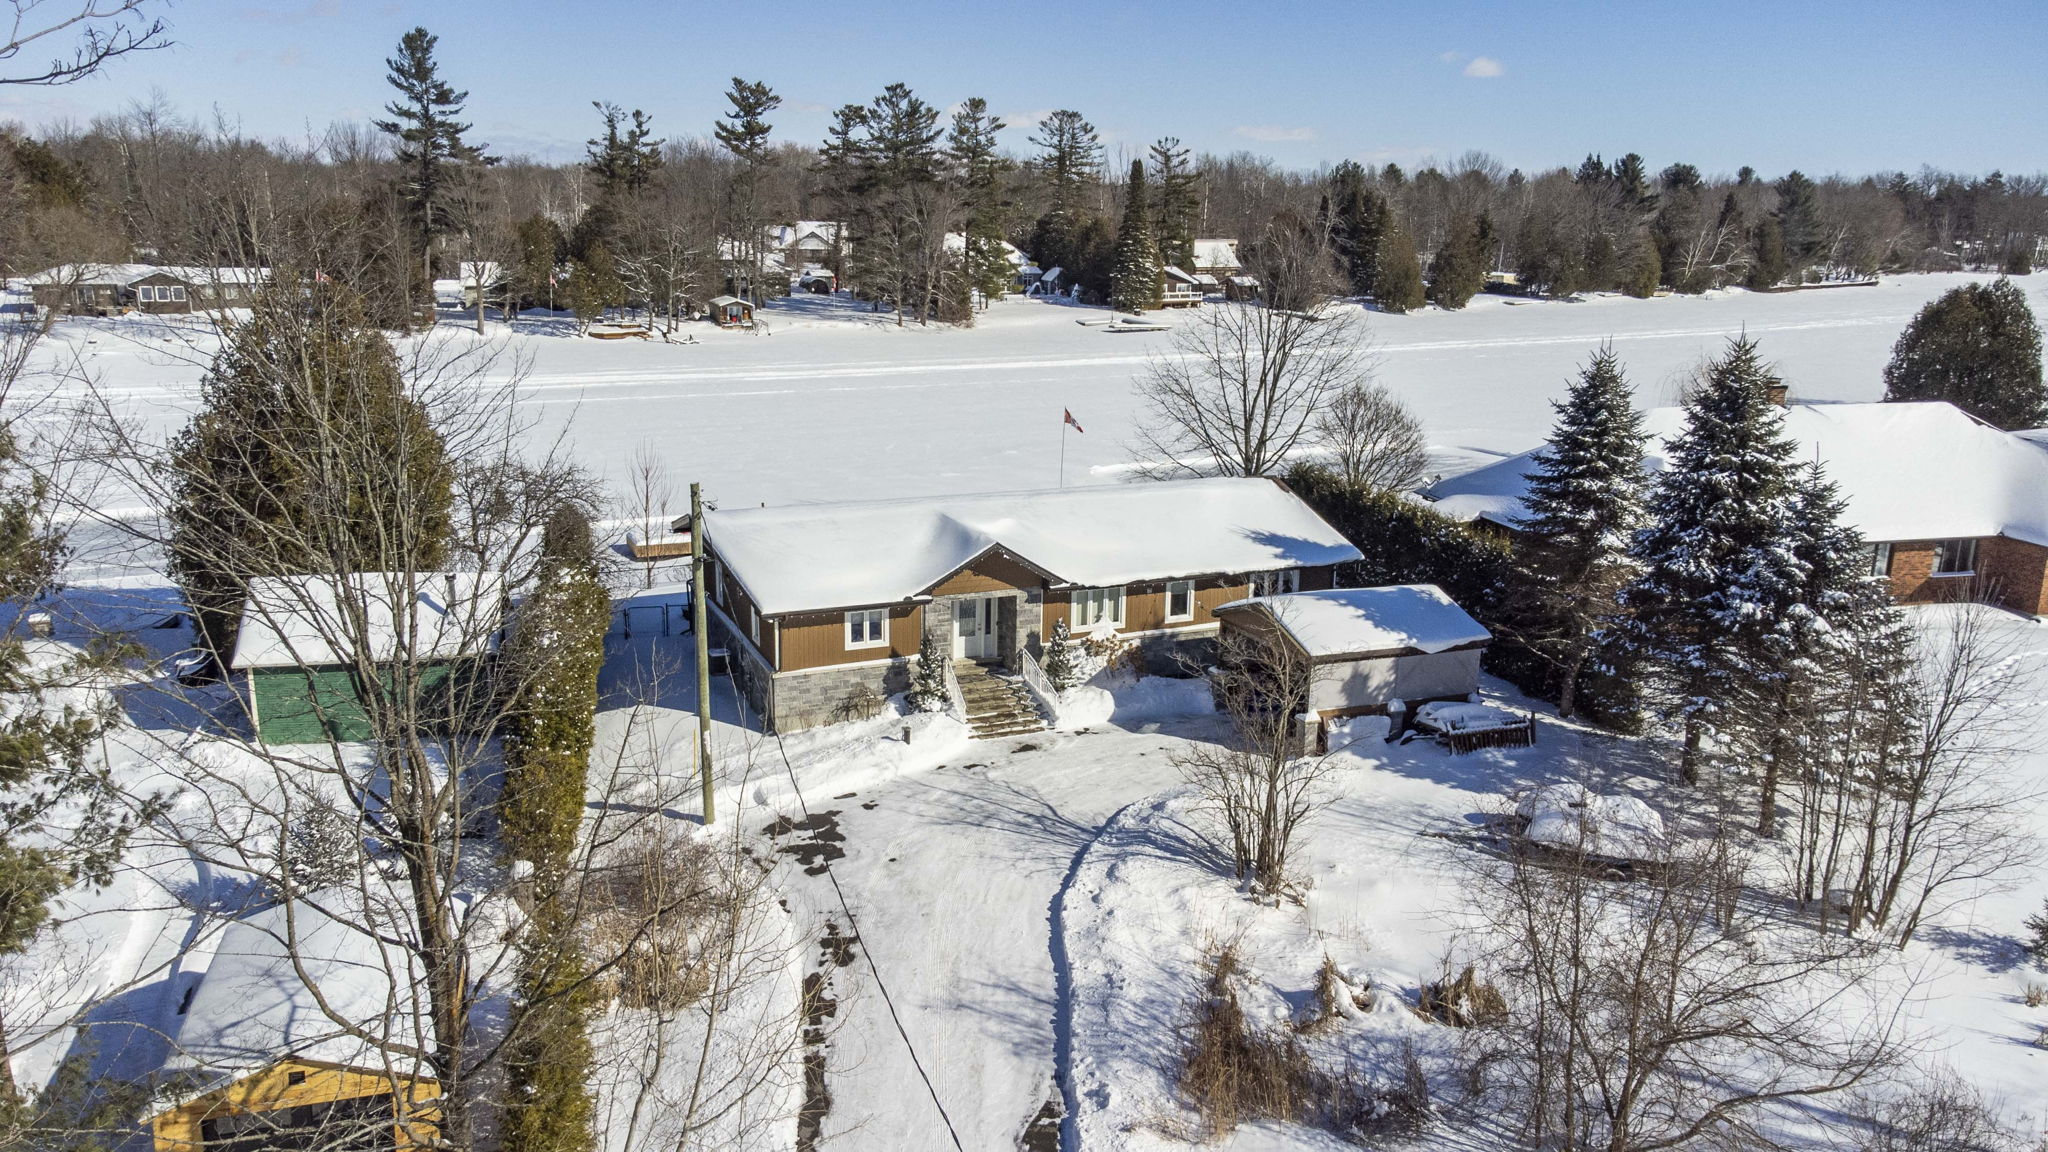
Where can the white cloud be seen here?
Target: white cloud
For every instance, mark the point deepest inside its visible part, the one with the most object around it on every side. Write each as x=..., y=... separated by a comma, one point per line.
x=1450, y=57
x=1485, y=68
x=1274, y=133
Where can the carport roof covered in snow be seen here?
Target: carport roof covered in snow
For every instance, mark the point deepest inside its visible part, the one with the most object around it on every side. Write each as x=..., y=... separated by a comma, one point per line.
x=816, y=557
x=1352, y=622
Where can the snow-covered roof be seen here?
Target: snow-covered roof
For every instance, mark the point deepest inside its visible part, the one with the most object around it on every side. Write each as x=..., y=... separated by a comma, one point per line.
x=1205, y=280
x=126, y=274
x=488, y=271
x=1173, y=273
x=725, y=301
x=957, y=242
x=296, y=621
x=1357, y=621
x=1216, y=254
x=1907, y=471
x=816, y=557
x=252, y=1008
x=821, y=231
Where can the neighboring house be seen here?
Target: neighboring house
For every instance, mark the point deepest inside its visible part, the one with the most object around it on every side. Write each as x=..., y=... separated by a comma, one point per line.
x=1371, y=647
x=806, y=242
x=1049, y=282
x=107, y=289
x=1178, y=289
x=820, y=601
x=1216, y=259
x=259, y=1061
x=1952, y=507
x=730, y=312
x=301, y=676
x=1241, y=288
x=644, y=543
x=819, y=281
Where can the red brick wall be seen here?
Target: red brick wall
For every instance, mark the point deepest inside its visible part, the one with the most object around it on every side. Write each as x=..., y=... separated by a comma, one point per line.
x=2010, y=573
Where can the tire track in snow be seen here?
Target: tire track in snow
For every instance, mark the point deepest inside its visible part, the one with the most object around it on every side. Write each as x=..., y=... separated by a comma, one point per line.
x=1063, y=986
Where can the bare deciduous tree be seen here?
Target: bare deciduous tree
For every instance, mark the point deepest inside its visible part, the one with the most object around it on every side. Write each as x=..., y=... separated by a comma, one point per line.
x=105, y=29
x=1372, y=439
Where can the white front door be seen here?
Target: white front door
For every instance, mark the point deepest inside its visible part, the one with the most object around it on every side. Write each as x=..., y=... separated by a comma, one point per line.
x=974, y=629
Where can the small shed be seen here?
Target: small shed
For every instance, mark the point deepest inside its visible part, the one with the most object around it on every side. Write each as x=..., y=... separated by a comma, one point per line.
x=652, y=541
x=297, y=654
x=296, y=1035
x=1178, y=289
x=1241, y=288
x=1371, y=646
x=731, y=312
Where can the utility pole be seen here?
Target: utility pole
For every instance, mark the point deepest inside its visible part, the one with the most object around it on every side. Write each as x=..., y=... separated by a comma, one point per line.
x=697, y=627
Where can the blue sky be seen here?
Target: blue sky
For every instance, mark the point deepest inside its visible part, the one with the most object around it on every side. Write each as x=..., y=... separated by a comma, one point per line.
x=1827, y=87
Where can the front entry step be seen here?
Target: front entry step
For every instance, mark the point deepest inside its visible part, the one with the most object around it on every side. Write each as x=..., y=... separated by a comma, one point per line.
x=998, y=704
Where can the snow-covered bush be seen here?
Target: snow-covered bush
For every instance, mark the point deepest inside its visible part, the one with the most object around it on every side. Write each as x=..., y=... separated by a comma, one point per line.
x=321, y=847
x=2037, y=937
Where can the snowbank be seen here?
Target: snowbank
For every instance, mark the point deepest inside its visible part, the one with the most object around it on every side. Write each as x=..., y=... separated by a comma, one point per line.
x=1572, y=817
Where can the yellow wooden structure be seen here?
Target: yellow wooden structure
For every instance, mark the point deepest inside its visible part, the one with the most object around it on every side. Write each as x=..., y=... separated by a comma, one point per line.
x=300, y=1103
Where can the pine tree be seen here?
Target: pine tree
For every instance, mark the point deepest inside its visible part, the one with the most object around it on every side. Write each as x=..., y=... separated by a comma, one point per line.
x=1718, y=573
x=537, y=244
x=1060, y=669
x=1179, y=203
x=1798, y=218
x=1069, y=160
x=305, y=410
x=1641, y=271
x=928, y=680
x=743, y=131
x=1134, y=286
x=431, y=150
x=978, y=169
x=1768, y=265
x=1357, y=220
x=1397, y=284
x=1458, y=271
x=1977, y=347
x=626, y=158
x=1584, y=505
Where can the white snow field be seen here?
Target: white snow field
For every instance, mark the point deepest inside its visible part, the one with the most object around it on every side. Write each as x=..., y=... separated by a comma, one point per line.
x=1036, y=906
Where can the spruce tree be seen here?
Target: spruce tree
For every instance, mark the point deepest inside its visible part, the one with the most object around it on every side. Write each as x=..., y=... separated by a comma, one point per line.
x=1768, y=265
x=1060, y=670
x=1798, y=218
x=1397, y=283
x=1717, y=569
x=1583, y=507
x=1979, y=348
x=1641, y=269
x=431, y=150
x=928, y=680
x=1357, y=222
x=304, y=412
x=1179, y=203
x=1134, y=285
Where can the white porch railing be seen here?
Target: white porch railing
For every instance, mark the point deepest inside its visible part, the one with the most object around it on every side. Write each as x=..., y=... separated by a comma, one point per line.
x=956, y=701
x=1039, y=687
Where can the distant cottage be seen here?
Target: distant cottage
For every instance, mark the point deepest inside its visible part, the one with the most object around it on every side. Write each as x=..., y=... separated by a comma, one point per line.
x=1953, y=508
x=818, y=600
x=106, y=289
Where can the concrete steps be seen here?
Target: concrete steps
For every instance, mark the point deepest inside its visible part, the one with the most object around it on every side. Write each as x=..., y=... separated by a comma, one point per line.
x=998, y=704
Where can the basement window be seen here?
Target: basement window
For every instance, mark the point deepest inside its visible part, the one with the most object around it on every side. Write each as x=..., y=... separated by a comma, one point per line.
x=867, y=628
x=1955, y=557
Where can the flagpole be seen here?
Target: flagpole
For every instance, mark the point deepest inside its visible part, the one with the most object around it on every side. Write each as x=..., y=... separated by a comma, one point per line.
x=1063, y=449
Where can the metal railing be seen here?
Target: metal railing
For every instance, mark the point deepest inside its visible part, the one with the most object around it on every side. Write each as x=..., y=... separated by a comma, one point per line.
x=956, y=701
x=1039, y=687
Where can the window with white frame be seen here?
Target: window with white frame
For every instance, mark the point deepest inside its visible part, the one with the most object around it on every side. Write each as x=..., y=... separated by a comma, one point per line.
x=1098, y=608
x=1955, y=557
x=867, y=628
x=145, y=294
x=1275, y=583
x=1880, y=559
x=1180, y=599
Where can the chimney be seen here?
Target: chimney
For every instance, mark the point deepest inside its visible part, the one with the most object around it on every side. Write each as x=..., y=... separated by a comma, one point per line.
x=1776, y=390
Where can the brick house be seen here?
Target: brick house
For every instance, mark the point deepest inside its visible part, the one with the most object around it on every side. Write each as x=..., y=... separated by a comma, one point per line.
x=1953, y=508
x=818, y=601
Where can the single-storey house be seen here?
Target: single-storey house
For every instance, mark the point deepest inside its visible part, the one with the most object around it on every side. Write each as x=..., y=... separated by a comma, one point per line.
x=1178, y=289
x=730, y=312
x=296, y=656
x=818, y=601
x=1370, y=647
x=261, y=1058
x=805, y=242
x=1953, y=508
x=106, y=289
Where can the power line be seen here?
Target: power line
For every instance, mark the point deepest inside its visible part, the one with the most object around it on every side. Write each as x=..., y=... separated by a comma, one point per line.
x=868, y=953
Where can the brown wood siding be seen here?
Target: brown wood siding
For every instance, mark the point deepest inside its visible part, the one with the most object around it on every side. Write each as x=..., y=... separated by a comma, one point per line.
x=988, y=573
x=739, y=607
x=818, y=639
x=272, y=1089
x=1145, y=603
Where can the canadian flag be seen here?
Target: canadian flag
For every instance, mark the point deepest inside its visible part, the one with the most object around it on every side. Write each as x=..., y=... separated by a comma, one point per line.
x=1069, y=418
